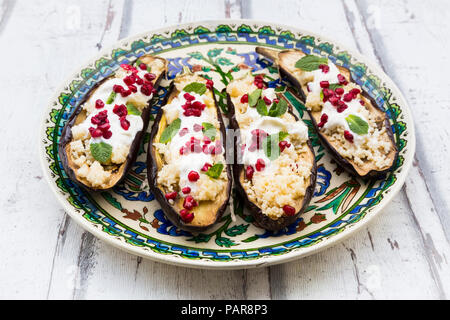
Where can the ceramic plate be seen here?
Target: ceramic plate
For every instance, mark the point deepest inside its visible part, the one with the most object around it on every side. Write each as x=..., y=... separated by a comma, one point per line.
x=130, y=218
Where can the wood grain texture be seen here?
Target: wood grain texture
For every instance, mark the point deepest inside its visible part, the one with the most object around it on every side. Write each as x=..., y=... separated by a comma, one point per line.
x=402, y=254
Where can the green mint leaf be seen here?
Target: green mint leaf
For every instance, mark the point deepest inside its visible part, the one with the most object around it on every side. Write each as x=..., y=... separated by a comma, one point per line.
x=282, y=135
x=111, y=98
x=101, y=152
x=132, y=109
x=261, y=108
x=215, y=171
x=321, y=95
x=310, y=62
x=209, y=130
x=357, y=125
x=170, y=131
x=253, y=97
x=278, y=109
x=334, y=86
x=197, y=87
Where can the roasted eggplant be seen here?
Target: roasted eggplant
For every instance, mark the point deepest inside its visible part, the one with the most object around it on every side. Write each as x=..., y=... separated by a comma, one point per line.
x=274, y=167
x=101, y=139
x=187, y=168
x=350, y=124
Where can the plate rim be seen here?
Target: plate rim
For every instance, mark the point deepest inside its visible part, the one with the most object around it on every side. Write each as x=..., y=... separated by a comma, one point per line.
x=262, y=261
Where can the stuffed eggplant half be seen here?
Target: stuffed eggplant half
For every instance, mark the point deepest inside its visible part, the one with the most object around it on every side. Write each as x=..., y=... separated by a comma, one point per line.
x=187, y=172
x=102, y=137
x=275, y=168
x=348, y=121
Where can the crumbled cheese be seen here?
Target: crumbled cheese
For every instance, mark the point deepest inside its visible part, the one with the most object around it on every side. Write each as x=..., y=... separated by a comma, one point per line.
x=97, y=175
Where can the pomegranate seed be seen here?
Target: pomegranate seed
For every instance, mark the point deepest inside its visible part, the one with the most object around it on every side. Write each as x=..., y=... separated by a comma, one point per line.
x=96, y=133
x=193, y=176
x=342, y=79
x=253, y=147
x=260, y=165
x=120, y=110
x=348, y=136
x=342, y=106
x=104, y=126
x=339, y=91
x=125, y=93
x=324, y=84
x=189, y=97
x=139, y=81
x=348, y=97
x=206, y=140
x=118, y=89
x=197, y=105
x=249, y=172
x=107, y=134
x=183, y=131
x=146, y=90
x=283, y=144
x=99, y=104
x=143, y=66
x=186, y=216
x=206, y=167
x=324, y=118
x=334, y=101
x=267, y=101
x=171, y=195
x=244, y=98
x=186, y=190
x=288, y=210
x=124, y=123
x=276, y=100
x=209, y=84
x=198, y=127
x=355, y=92
x=362, y=102
x=327, y=92
x=189, y=203
x=149, y=76
x=183, y=150
x=325, y=68
x=260, y=85
x=132, y=88
x=129, y=80
x=95, y=120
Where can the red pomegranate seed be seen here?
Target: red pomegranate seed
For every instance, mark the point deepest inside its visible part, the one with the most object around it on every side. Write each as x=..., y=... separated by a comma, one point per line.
x=267, y=101
x=139, y=81
x=342, y=106
x=355, y=92
x=104, y=126
x=183, y=150
x=171, y=195
x=325, y=68
x=362, y=102
x=324, y=84
x=206, y=140
x=288, y=210
x=348, y=97
x=276, y=100
x=189, y=203
x=342, y=79
x=186, y=190
x=125, y=93
x=206, y=167
x=244, y=98
x=283, y=144
x=99, y=104
x=132, y=88
x=186, y=216
x=107, y=134
x=209, y=84
x=124, y=123
x=249, y=172
x=95, y=120
x=149, y=76
x=260, y=165
x=198, y=127
x=334, y=101
x=118, y=89
x=129, y=80
x=253, y=147
x=143, y=66
x=324, y=118
x=189, y=97
x=146, y=90
x=193, y=176
x=348, y=136
x=183, y=131
x=96, y=133
x=339, y=91
x=120, y=110
x=327, y=93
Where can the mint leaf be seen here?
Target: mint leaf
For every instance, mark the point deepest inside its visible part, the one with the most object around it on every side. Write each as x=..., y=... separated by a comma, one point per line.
x=215, y=171
x=209, y=130
x=253, y=97
x=278, y=109
x=270, y=144
x=132, y=109
x=101, y=152
x=170, y=131
x=111, y=98
x=357, y=125
x=197, y=87
x=310, y=62
x=334, y=86
x=261, y=108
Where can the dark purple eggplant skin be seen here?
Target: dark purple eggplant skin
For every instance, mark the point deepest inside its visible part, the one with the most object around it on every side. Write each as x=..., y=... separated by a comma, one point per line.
x=261, y=219
x=344, y=163
x=152, y=173
x=66, y=138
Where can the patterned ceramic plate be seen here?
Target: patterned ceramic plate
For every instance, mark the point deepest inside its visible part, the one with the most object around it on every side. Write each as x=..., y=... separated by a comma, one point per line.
x=130, y=218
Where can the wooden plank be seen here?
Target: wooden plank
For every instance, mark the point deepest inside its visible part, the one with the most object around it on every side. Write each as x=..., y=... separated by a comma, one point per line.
x=362, y=254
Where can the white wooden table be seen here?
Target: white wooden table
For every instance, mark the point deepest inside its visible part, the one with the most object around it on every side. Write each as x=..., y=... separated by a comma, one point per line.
x=403, y=254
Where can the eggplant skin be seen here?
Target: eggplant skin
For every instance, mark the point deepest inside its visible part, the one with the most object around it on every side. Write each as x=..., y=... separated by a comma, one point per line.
x=344, y=163
x=152, y=173
x=261, y=219
x=66, y=138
